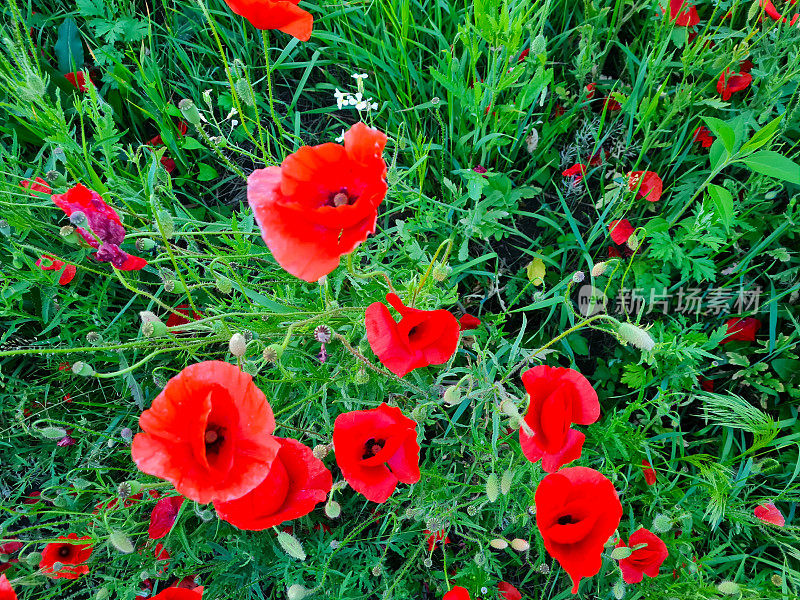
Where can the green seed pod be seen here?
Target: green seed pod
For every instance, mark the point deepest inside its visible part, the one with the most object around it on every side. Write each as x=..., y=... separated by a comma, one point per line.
x=121, y=542
x=69, y=235
x=291, y=545
x=492, y=487
x=145, y=244
x=237, y=345
x=621, y=552
x=33, y=559
x=82, y=369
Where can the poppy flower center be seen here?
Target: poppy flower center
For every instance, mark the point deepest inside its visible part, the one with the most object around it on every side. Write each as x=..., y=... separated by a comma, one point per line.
x=566, y=520
x=64, y=551
x=340, y=198
x=214, y=438
x=372, y=447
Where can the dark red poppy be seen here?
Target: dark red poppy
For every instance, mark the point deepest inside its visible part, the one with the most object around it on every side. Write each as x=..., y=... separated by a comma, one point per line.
x=647, y=184
x=620, y=231
x=558, y=111
x=6, y=591
x=72, y=557
x=611, y=104
x=577, y=169
x=649, y=472
x=179, y=593
x=51, y=263
x=169, y=164
x=706, y=384
x=577, y=510
x=78, y=79
x=730, y=84
x=642, y=561
x=321, y=202
x=508, y=591
x=703, y=135
x=163, y=516
x=439, y=536
x=421, y=338
x=746, y=66
x=105, y=227
x=682, y=15
x=558, y=398
x=67, y=440
x=209, y=433
x=742, y=330
x=37, y=185
x=523, y=55
x=591, y=90
x=376, y=449
x=173, y=320
x=295, y=484
x=457, y=593
x=468, y=322
x=597, y=159
x=480, y=169
x=769, y=513
x=283, y=15
x=613, y=252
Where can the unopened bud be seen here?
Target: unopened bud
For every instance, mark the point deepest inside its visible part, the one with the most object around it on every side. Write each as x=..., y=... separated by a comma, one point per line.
x=662, y=523
x=237, y=345
x=291, y=545
x=452, y=395
x=498, y=544
x=505, y=482
x=618, y=590
x=492, y=487
x=636, y=336
x=729, y=588
x=621, y=552
x=121, y=542
x=224, y=285
x=333, y=509
x=520, y=545
x=297, y=592
x=189, y=111
x=78, y=218
x=578, y=277
x=33, y=559
x=599, y=269
x=244, y=91
x=440, y=272
x=632, y=242
x=5, y=228
x=361, y=377
x=508, y=408
x=83, y=369
x=165, y=223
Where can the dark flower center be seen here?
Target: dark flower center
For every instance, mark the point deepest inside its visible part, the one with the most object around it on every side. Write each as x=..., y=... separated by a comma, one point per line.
x=340, y=198
x=566, y=520
x=214, y=438
x=65, y=551
x=372, y=447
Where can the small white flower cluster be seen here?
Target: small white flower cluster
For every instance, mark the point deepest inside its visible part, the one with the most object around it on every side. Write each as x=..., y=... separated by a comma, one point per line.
x=357, y=100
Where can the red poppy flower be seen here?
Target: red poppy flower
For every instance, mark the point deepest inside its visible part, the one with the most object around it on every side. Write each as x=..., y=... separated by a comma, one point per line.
x=106, y=228
x=168, y=163
x=613, y=252
x=577, y=510
x=67, y=440
x=611, y=104
x=730, y=84
x=523, y=55
x=7, y=549
x=769, y=513
x=184, y=309
x=421, y=338
x=620, y=231
x=558, y=398
x=71, y=556
x=37, y=185
x=649, y=472
x=283, y=15
x=163, y=516
x=591, y=90
x=577, y=169
x=321, y=202
x=439, y=536
x=650, y=187
x=209, y=433
x=742, y=330
x=6, y=591
x=703, y=135
x=179, y=593
x=376, y=449
x=158, y=140
x=683, y=18
x=595, y=160
x=78, y=79
x=468, y=322
x=51, y=263
x=706, y=384
x=457, y=593
x=643, y=561
x=746, y=66
x=295, y=484
x=508, y=591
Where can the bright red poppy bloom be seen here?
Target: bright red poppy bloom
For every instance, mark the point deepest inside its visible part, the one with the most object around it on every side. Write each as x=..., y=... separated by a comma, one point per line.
x=730, y=84
x=769, y=513
x=421, y=338
x=168, y=163
x=37, y=185
x=650, y=187
x=106, y=230
x=468, y=322
x=644, y=561
x=683, y=18
x=321, y=202
x=209, y=433
x=577, y=510
x=611, y=104
x=295, y=484
x=78, y=79
x=51, y=263
x=72, y=557
x=6, y=591
x=577, y=169
x=649, y=472
x=591, y=90
x=283, y=15
x=508, y=591
x=376, y=449
x=163, y=516
x=186, y=310
x=620, y=231
x=180, y=593
x=457, y=593
x=439, y=536
x=558, y=398
x=742, y=330
x=703, y=135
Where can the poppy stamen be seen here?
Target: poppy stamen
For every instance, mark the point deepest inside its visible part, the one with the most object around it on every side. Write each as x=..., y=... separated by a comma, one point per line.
x=566, y=520
x=213, y=439
x=341, y=198
x=64, y=551
x=372, y=448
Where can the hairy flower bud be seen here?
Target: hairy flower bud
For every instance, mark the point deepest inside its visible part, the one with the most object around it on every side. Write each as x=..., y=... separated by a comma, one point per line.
x=291, y=545
x=636, y=336
x=498, y=544
x=333, y=509
x=492, y=487
x=121, y=542
x=83, y=369
x=297, y=592
x=599, y=269
x=237, y=345
x=729, y=588
x=452, y=395
x=505, y=482
x=189, y=111
x=520, y=545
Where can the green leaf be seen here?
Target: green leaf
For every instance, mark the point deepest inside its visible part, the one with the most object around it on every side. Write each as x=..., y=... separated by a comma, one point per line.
x=207, y=172
x=723, y=131
x=68, y=47
x=717, y=154
x=723, y=203
x=190, y=143
x=762, y=136
x=775, y=165
x=91, y=8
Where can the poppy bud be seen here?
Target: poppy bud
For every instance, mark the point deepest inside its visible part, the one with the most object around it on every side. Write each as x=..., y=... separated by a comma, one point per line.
x=291, y=545
x=33, y=559
x=498, y=544
x=82, y=369
x=662, y=523
x=78, y=218
x=508, y=408
x=452, y=395
x=636, y=336
x=619, y=590
x=505, y=482
x=189, y=111
x=599, y=269
x=621, y=552
x=632, y=242
x=492, y=487
x=102, y=594
x=224, y=285
x=244, y=90
x=361, y=377
x=297, y=592
x=237, y=345
x=520, y=545
x=333, y=509
x=165, y=223
x=121, y=542
x=52, y=433
x=440, y=272
x=729, y=588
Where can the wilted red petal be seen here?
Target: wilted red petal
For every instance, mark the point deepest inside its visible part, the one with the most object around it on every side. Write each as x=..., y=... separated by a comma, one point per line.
x=163, y=516
x=649, y=473
x=620, y=231
x=769, y=513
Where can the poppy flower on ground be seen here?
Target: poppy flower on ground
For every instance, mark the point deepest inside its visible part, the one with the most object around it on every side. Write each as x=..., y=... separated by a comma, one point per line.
x=620, y=231
x=283, y=15
x=742, y=330
x=703, y=135
x=457, y=593
x=578, y=170
x=6, y=591
x=419, y=339
x=78, y=79
x=508, y=591
x=468, y=322
x=175, y=320
x=51, y=263
x=163, y=516
x=295, y=484
x=646, y=184
x=769, y=513
x=439, y=536
x=37, y=185
x=209, y=433
x=591, y=90
x=649, y=472
x=105, y=227
x=577, y=510
x=321, y=202
x=179, y=593
x=683, y=15
x=558, y=398
x=72, y=557
x=611, y=104
x=729, y=84
x=376, y=449
x=642, y=561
